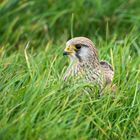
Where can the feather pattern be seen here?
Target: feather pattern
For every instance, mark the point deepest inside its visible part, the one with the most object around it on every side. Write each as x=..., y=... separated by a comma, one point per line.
x=85, y=63
x=107, y=71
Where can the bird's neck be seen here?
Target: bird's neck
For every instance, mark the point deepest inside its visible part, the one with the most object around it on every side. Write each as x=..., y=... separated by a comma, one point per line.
x=91, y=61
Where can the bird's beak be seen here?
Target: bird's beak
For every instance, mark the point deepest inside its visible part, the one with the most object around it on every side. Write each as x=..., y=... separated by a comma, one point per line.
x=69, y=50
x=65, y=53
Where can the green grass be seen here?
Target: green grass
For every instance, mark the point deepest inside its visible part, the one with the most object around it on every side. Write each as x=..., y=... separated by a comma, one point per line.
x=35, y=103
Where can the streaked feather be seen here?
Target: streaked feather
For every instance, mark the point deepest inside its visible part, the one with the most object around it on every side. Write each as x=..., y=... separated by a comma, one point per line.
x=108, y=71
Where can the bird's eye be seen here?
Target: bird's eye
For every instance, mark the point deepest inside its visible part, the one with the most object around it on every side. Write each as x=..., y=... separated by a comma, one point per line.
x=77, y=46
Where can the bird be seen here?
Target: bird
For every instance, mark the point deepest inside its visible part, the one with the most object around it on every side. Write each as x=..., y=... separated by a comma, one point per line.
x=85, y=63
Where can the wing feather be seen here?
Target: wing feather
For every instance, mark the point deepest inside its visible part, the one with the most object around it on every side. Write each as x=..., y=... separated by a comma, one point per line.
x=108, y=71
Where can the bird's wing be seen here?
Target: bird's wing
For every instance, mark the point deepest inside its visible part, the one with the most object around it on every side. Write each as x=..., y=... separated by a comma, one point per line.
x=107, y=71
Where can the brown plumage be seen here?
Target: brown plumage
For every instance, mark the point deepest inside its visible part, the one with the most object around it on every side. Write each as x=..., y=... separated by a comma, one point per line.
x=85, y=64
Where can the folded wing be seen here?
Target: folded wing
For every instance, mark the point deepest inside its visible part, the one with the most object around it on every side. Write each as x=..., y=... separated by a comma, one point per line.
x=108, y=71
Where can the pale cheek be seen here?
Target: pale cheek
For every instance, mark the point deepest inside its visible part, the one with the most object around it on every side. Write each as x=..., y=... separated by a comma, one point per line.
x=84, y=52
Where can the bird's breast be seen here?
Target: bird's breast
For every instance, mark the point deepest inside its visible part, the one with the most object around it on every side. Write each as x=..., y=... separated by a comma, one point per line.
x=86, y=73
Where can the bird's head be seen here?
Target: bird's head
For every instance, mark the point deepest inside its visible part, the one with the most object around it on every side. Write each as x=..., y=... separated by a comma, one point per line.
x=81, y=49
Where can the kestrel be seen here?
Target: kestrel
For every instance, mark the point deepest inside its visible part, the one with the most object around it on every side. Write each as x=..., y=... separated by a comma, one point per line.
x=85, y=64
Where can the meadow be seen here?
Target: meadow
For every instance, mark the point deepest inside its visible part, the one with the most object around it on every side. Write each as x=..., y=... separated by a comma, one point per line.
x=35, y=102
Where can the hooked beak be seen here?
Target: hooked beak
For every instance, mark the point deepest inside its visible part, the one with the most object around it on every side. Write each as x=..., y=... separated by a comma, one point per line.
x=65, y=53
x=69, y=50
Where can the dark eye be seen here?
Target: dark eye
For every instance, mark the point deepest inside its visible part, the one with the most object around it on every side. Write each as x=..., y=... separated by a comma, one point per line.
x=78, y=46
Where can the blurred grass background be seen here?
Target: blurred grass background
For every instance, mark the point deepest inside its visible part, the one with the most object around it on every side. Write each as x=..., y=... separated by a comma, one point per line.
x=45, y=20
x=34, y=104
